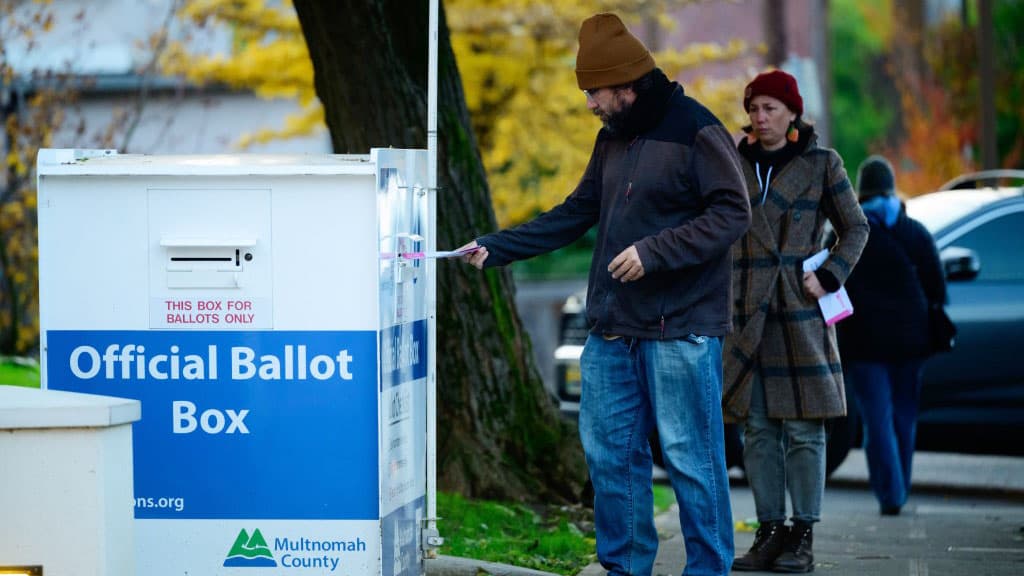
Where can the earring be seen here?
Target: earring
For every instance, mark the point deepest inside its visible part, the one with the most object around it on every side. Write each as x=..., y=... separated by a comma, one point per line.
x=751, y=138
x=792, y=134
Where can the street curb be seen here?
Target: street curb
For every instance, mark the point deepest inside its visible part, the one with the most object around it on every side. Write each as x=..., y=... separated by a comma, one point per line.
x=457, y=566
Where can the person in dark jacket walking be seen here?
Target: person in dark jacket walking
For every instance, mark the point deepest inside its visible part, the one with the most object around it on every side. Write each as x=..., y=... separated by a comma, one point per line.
x=782, y=370
x=665, y=190
x=884, y=344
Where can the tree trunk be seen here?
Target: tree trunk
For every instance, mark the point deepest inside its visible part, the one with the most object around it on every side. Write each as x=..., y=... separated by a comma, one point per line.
x=775, y=32
x=908, y=44
x=499, y=433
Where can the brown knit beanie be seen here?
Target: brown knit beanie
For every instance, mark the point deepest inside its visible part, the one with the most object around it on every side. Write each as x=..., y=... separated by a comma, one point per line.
x=609, y=55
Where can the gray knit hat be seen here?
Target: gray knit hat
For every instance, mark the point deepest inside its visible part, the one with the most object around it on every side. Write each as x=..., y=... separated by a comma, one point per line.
x=875, y=178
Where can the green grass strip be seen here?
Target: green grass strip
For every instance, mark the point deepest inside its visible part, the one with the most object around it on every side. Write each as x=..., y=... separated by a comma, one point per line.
x=557, y=539
x=19, y=372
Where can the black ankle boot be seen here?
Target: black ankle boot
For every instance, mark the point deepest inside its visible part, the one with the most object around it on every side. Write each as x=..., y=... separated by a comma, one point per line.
x=768, y=544
x=797, y=556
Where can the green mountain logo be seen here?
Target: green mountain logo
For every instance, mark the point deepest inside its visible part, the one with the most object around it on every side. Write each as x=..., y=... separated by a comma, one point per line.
x=250, y=551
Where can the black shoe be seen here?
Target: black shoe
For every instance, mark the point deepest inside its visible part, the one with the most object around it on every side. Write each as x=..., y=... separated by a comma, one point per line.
x=797, y=556
x=768, y=543
x=890, y=510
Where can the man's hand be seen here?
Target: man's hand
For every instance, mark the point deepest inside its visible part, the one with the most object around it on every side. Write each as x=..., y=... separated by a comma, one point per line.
x=627, y=267
x=811, y=285
x=476, y=258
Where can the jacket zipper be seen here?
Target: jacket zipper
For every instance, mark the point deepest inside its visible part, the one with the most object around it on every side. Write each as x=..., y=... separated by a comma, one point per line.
x=662, y=327
x=632, y=169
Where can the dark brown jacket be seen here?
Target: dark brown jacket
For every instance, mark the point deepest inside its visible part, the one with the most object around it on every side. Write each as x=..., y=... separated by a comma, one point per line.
x=779, y=330
x=674, y=190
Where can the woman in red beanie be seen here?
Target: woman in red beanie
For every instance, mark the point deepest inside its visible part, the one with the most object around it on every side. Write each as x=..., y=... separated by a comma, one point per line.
x=783, y=376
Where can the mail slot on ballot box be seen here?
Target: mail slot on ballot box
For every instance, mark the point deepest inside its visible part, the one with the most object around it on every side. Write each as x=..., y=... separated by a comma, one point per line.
x=271, y=316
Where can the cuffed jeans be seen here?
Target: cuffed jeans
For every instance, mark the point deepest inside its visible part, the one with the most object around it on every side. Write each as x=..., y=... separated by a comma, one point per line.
x=630, y=386
x=780, y=454
x=887, y=394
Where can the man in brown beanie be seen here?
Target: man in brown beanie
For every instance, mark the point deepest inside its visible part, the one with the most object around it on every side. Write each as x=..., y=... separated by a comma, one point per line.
x=665, y=189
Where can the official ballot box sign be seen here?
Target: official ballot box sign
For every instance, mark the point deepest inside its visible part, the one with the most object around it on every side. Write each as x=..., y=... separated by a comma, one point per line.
x=264, y=312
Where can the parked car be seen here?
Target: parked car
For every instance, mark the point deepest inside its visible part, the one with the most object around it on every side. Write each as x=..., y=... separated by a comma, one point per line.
x=972, y=398
x=572, y=334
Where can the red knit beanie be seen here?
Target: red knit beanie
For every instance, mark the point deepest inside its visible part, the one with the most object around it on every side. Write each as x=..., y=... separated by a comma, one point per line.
x=778, y=85
x=609, y=55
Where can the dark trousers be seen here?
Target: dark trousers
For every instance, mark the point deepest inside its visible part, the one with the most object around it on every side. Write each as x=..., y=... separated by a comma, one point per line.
x=887, y=394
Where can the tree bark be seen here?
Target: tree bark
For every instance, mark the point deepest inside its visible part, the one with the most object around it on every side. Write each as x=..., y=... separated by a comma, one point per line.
x=499, y=433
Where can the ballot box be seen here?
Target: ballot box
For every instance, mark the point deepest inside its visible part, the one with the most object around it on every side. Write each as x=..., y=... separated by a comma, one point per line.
x=270, y=314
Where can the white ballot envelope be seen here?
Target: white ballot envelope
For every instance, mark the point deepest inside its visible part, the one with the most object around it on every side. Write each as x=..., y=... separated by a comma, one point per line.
x=834, y=305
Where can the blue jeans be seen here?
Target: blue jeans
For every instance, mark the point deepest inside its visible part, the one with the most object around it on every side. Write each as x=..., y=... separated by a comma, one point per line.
x=887, y=394
x=780, y=454
x=630, y=386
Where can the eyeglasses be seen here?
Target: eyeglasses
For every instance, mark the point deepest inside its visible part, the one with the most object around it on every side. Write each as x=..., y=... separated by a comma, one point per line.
x=591, y=94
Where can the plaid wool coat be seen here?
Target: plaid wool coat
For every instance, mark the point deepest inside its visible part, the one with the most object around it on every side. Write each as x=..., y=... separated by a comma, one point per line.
x=778, y=330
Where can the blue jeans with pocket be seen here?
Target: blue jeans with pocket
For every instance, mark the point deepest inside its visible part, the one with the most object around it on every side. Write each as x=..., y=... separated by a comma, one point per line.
x=887, y=394
x=631, y=386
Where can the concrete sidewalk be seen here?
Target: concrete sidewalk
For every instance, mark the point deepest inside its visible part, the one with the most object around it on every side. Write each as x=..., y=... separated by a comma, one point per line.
x=948, y=498
x=965, y=517
x=936, y=535
x=957, y=473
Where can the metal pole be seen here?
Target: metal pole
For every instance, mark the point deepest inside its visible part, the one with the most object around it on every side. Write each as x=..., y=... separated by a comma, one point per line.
x=431, y=538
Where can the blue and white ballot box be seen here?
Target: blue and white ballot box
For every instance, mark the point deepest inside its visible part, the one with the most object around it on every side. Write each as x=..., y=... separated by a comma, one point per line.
x=270, y=314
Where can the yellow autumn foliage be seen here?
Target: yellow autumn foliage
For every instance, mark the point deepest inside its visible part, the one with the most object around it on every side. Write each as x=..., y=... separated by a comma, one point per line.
x=268, y=56
x=516, y=58
x=30, y=127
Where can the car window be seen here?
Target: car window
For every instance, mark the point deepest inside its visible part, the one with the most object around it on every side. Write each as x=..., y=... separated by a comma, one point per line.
x=940, y=209
x=1000, y=247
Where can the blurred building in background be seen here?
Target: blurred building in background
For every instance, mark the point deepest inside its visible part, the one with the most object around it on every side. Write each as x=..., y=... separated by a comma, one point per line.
x=790, y=34
x=103, y=50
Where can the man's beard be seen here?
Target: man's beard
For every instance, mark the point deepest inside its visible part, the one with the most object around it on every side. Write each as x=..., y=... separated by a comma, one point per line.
x=616, y=122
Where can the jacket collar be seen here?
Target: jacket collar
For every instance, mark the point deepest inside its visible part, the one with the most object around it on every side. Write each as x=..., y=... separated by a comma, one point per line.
x=785, y=188
x=649, y=107
x=755, y=153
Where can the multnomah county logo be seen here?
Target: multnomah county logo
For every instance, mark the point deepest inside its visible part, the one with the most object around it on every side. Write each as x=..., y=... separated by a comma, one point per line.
x=250, y=551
